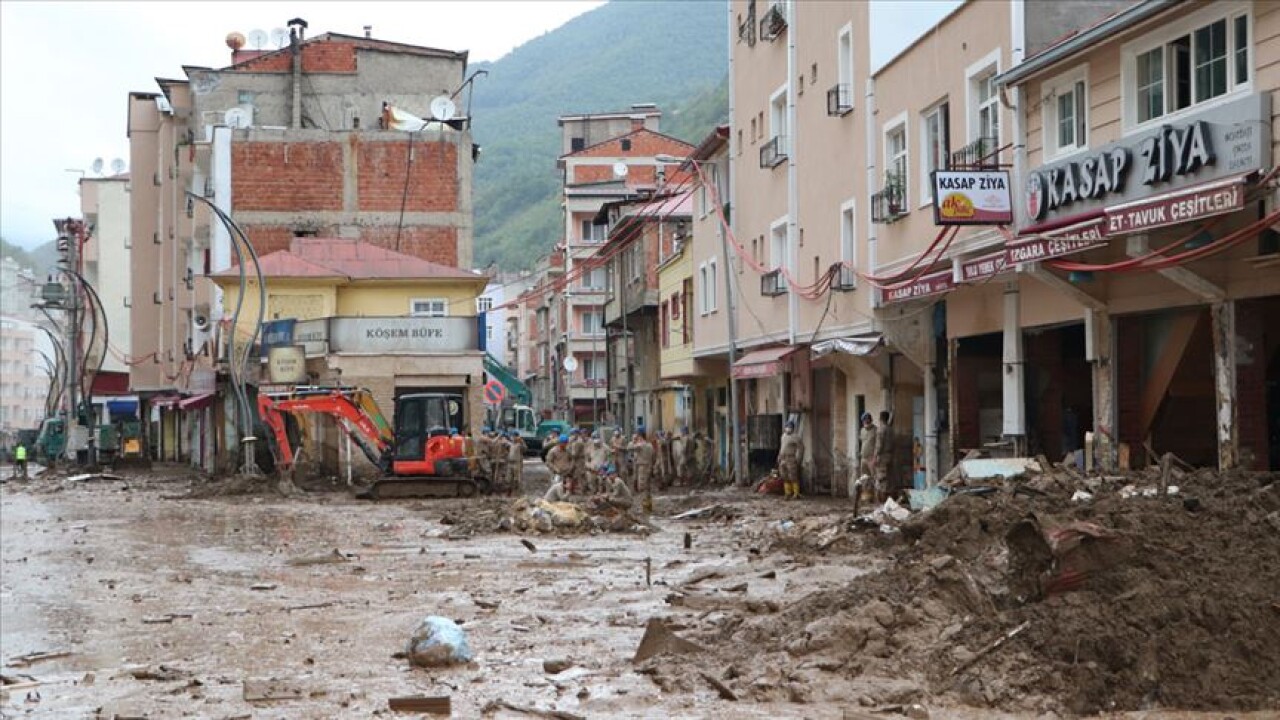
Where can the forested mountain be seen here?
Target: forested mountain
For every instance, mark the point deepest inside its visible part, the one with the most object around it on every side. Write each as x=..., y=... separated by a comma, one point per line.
x=670, y=53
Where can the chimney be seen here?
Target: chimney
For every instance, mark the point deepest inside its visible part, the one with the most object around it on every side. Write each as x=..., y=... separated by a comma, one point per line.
x=637, y=122
x=368, y=31
x=297, y=32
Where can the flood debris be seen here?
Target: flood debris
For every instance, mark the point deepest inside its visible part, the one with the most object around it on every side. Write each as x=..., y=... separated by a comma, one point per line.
x=271, y=689
x=658, y=639
x=162, y=673
x=495, y=705
x=328, y=558
x=725, y=692
x=432, y=705
x=555, y=667
x=438, y=641
x=35, y=657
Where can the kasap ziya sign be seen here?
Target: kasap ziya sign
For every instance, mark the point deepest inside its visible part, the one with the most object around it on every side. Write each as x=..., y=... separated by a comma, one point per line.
x=971, y=197
x=1222, y=141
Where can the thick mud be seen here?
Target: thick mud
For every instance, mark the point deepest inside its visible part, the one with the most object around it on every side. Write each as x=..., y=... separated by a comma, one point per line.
x=173, y=603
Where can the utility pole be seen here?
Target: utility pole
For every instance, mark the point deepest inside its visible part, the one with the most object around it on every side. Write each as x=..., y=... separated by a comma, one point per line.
x=70, y=231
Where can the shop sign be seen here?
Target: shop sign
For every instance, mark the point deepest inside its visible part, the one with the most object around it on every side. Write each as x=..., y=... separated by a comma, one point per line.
x=981, y=268
x=287, y=364
x=1074, y=239
x=403, y=334
x=313, y=336
x=923, y=286
x=277, y=333
x=1171, y=210
x=971, y=197
x=1228, y=139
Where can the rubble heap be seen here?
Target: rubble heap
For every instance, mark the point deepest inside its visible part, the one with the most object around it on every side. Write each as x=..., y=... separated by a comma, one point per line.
x=1025, y=599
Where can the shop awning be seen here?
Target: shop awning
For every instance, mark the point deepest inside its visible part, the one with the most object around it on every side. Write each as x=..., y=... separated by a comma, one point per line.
x=165, y=401
x=121, y=408
x=762, y=363
x=196, y=402
x=859, y=346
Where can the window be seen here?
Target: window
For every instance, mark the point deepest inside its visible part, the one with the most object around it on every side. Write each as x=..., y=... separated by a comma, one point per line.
x=592, y=322
x=665, y=320
x=594, y=279
x=707, y=282
x=1193, y=62
x=895, y=155
x=844, y=58
x=778, y=117
x=686, y=325
x=593, y=369
x=484, y=304
x=848, y=248
x=934, y=149
x=1066, y=117
x=637, y=260
x=778, y=244
x=592, y=233
x=428, y=307
x=712, y=285
x=576, y=144
x=988, y=108
x=626, y=144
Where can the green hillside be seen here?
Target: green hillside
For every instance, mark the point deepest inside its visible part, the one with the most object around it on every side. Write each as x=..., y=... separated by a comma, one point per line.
x=670, y=53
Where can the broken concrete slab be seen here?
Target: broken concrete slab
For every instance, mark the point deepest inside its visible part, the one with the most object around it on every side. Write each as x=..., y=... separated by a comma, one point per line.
x=659, y=639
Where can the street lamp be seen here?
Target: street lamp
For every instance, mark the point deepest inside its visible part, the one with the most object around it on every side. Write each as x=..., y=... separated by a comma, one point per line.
x=739, y=466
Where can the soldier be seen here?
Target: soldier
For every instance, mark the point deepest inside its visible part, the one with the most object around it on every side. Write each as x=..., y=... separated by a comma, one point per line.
x=483, y=451
x=597, y=458
x=868, y=441
x=617, y=494
x=619, y=448
x=498, y=450
x=577, y=459
x=558, y=460
x=515, y=462
x=884, y=456
x=691, y=458
x=678, y=466
x=789, y=455
x=642, y=454
x=556, y=493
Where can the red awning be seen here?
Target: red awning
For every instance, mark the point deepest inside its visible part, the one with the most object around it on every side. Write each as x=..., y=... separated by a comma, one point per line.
x=762, y=363
x=196, y=402
x=165, y=401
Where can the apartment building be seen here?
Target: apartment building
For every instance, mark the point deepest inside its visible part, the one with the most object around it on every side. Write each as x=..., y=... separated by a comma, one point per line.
x=24, y=377
x=1133, y=137
x=643, y=233
x=289, y=143
x=607, y=157
x=798, y=128
x=104, y=207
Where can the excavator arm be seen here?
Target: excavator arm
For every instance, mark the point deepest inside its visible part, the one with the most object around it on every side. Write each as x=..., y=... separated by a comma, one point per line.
x=355, y=410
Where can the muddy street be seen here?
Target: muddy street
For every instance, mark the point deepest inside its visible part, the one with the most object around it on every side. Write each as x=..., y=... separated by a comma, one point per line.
x=135, y=597
x=198, y=597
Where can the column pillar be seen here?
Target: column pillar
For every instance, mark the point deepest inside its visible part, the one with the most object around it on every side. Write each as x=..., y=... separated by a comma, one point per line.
x=1014, y=375
x=931, y=413
x=1099, y=340
x=1224, y=383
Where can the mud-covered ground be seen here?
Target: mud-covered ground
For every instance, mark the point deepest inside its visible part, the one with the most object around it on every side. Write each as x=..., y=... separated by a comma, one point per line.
x=169, y=605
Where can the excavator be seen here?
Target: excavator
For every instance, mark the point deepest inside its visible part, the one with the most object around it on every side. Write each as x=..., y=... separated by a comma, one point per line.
x=417, y=457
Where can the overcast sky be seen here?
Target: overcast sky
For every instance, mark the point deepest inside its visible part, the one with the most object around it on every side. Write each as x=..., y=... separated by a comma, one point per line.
x=66, y=69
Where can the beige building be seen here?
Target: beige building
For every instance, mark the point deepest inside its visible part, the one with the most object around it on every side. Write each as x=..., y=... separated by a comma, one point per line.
x=289, y=143
x=24, y=377
x=104, y=206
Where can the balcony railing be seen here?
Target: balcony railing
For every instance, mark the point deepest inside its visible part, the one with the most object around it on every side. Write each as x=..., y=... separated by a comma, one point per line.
x=773, y=283
x=890, y=204
x=773, y=22
x=981, y=154
x=774, y=152
x=840, y=100
x=747, y=29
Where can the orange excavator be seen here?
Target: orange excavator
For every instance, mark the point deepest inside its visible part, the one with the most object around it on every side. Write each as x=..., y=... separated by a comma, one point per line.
x=418, y=457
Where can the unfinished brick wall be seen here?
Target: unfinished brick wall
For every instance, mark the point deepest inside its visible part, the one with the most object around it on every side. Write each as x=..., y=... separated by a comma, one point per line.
x=433, y=183
x=267, y=238
x=317, y=57
x=287, y=176
x=436, y=244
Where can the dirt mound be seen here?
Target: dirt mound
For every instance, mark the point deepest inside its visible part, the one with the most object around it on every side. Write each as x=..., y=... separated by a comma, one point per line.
x=1029, y=601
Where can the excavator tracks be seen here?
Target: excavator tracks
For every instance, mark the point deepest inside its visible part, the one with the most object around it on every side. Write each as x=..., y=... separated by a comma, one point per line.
x=424, y=486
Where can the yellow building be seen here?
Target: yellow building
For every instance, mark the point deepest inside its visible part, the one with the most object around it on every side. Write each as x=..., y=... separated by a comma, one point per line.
x=365, y=316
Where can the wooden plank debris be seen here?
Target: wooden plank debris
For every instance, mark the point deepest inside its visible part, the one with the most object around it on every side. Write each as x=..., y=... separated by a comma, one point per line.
x=437, y=705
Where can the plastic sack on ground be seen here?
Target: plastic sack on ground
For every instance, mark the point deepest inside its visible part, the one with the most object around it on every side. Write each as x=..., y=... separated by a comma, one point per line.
x=438, y=641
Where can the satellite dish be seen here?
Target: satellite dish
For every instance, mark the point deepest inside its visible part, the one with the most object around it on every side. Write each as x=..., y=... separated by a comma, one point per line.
x=117, y=166
x=443, y=109
x=570, y=364
x=279, y=37
x=97, y=166
x=237, y=118
x=257, y=39
x=619, y=170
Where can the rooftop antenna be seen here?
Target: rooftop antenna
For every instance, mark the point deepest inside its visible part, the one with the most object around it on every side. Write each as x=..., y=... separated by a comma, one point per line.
x=442, y=108
x=619, y=170
x=279, y=37
x=257, y=39
x=97, y=166
x=117, y=167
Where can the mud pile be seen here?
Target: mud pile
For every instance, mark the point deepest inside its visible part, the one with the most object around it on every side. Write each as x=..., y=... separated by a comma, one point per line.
x=1026, y=600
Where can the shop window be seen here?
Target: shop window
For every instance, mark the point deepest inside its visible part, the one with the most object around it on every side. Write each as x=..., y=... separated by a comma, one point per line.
x=428, y=307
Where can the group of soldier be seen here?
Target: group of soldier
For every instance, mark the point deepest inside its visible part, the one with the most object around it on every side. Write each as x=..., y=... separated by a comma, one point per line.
x=875, y=457
x=644, y=463
x=499, y=456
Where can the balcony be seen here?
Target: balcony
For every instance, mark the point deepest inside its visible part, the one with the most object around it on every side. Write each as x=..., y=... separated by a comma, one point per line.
x=840, y=100
x=981, y=154
x=774, y=152
x=773, y=283
x=773, y=22
x=747, y=28
x=890, y=204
